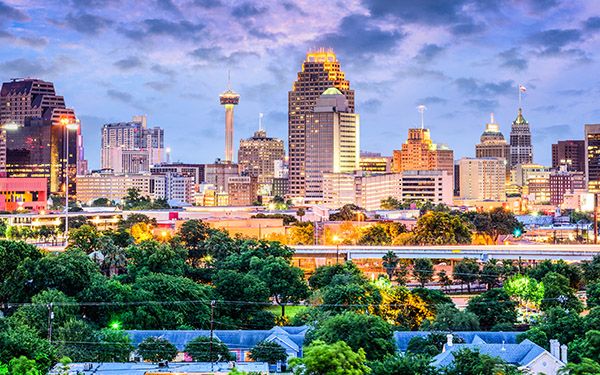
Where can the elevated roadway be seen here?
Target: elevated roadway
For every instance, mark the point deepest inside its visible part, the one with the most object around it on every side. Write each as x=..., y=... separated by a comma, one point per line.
x=571, y=253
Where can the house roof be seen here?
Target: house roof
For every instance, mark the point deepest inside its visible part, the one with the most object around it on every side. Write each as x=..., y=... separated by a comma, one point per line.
x=517, y=354
x=293, y=337
x=141, y=368
x=402, y=338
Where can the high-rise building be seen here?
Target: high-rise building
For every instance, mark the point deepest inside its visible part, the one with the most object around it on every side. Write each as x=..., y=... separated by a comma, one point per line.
x=320, y=71
x=122, y=139
x=482, y=178
x=34, y=135
x=332, y=141
x=229, y=99
x=563, y=182
x=492, y=143
x=362, y=189
x=524, y=172
x=218, y=174
x=419, y=153
x=521, y=151
x=592, y=160
x=257, y=156
x=569, y=153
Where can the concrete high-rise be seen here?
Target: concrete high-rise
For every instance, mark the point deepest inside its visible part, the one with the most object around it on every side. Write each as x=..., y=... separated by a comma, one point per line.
x=229, y=99
x=592, y=160
x=320, y=71
x=332, y=141
x=257, y=156
x=569, y=153
x=492, y=143
x=419, y=153
x=131, y=147
x=521, y=151
x=482, y=178
x=35, y=143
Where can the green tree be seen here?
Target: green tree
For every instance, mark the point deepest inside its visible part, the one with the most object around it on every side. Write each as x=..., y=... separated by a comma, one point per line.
x=571, y=271
x=330, y=359
x=157, y=349
x=85, y=238
x=153, y=256
x=493, y=307
x=586, y=367
x=23, y=366
x=342, y=296
x=101, y=202
x=466, y=271
x=12, y=255
x=115, y=257
x=430, y=345
x=490, y=274
x=193, y=234
x=591, y=270
x=494, y=223
x=587, y=346
x=18, y=339
x=371, y=333
x=593, y=295
x=432, y=297
x=406, y=364
x=391, y=203
x=444, y=279
x=375, y=235
x=115, y=346
x=300, y=213
x=302, y=234
x=286, y=282
x=558, y=293
x=131, y=220
x=102, y=289
x=527, y=290
x=324, y=275
x=423, y=270
x=390, y=262
x=77, y=340
x=400, y=307
x=268, y=351
x=449, y=318
x=348, y=212
x=200, y=350
x=560, y=324
x=36, y=314
x=441, y=228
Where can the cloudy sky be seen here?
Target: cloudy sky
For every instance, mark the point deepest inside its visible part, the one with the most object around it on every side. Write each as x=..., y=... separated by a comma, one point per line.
x=463, y=59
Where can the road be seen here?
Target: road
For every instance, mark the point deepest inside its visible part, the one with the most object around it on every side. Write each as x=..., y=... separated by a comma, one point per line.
x=525, y=252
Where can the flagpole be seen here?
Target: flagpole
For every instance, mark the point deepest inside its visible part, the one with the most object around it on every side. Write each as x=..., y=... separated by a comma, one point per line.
x=519, y=89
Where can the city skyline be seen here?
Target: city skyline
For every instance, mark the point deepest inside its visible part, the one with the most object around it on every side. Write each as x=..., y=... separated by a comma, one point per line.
x=170, y=61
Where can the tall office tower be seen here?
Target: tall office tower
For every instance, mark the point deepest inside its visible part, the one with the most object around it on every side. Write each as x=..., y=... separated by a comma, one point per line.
x=492, y=143
x=521, y=151
x=592, y=160
x=35, y=143
x=122, y=139
x=257, y=155
x=320, y=71
x=419, y=153
x=483, y=178
x=332, y=141
x=569, y=153
x=229, y=99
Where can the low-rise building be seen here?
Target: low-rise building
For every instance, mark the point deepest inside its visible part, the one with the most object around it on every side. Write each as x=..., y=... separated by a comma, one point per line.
x=28, y=193
x=430, y=186
x=364, y=190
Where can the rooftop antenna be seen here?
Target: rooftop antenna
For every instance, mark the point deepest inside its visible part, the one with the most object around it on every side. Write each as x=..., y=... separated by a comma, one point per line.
x=492, y=120
x=260, y=121
x=421, y=108
x=229, y=79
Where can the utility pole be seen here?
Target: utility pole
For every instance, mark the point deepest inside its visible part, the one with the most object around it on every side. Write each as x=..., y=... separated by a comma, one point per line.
x=595, y=218
x=50, y=320
x=212, y=324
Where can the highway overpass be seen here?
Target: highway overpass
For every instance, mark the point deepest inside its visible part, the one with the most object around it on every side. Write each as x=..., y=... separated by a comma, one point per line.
x=570, y=253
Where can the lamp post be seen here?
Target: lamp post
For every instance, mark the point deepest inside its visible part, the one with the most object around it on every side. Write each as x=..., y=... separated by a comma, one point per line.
x=336, y=239
x=68, y=125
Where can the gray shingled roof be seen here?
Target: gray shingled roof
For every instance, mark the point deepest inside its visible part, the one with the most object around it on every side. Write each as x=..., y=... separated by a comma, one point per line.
x=140, y=368
x=516, y=354
x=402, y=338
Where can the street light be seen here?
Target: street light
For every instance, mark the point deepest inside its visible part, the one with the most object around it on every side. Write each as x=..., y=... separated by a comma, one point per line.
x=337, y=240
x=69, y=125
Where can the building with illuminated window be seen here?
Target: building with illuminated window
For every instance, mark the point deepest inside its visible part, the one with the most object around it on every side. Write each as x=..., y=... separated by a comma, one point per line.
x=419, y=153
x=332, y=141
x=320, y=71
x=492, y=144
x=374, y=162
x=426, y=186
x=482, y=178
x=564, y=182
x=257, y=156
x=569, y=153
x=34, y=137
x=521, y=151
x=23, y=194
x=362, y=189
x=592, y=160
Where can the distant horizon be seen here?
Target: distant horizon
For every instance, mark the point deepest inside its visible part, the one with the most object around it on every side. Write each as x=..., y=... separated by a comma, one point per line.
x=170, y=60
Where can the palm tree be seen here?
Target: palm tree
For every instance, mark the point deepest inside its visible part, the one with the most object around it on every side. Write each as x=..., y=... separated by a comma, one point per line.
x=300, y=213
x=115, y=260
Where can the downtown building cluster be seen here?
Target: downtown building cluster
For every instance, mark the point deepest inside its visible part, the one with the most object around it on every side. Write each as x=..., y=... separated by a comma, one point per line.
x=41, y=147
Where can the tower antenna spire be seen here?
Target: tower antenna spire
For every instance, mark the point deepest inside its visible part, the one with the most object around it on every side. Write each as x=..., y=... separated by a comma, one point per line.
x=492, y=118
x=260, y=121
x=229, y=79
x=421, y=108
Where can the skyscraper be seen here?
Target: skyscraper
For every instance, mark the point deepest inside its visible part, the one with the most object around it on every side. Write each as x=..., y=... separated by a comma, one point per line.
x=320, y=71
x=592, y=160
x=257, y=156
x=419, y=153
x=492, y=143
x=482, y=178
x=35, y=144
x=229, y=99
x=332, y=141
x=131, y=147
x=521, y=151
x=569, y=153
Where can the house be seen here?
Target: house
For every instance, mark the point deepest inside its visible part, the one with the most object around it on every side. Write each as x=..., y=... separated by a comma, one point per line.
x=526, y=355
x=402, y=338
x=239, y=342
